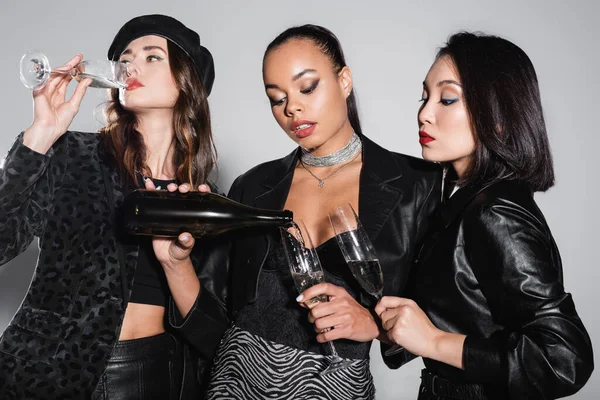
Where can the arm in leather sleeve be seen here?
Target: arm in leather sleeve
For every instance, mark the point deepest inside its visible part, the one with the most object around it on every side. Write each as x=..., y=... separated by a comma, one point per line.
x=206, y=321
x=429, y=201
x=26, y=195
x=544, y=350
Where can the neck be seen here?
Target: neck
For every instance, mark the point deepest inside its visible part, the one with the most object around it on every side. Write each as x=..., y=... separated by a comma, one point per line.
x=336, y=142
x=349, y=151
x=157, y=130
x=460, y=167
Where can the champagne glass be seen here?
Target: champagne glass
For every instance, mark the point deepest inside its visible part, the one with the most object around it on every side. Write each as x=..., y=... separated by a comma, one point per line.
x=307, y=271
x=35, y=72
x=359, y=254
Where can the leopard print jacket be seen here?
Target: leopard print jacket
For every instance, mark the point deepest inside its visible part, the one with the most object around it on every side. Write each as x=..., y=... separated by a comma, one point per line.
x=59, y=341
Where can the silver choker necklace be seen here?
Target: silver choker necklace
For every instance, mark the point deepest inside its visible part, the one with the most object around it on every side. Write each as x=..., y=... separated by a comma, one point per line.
x=343, y=154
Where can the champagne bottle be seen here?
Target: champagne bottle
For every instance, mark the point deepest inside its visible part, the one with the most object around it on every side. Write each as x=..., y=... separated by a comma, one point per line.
x=162, y=213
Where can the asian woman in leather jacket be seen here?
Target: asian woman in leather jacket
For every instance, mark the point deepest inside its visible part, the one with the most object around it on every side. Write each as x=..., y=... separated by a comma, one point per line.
x=487, y=310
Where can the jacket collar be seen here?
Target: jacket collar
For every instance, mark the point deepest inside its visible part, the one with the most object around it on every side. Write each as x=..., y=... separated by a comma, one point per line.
x=379, y=185
x=456, y=204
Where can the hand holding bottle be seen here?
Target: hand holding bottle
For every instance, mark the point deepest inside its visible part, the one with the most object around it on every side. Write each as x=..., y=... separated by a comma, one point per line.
x=174, y=256
x=171, y=252
x=52, y=113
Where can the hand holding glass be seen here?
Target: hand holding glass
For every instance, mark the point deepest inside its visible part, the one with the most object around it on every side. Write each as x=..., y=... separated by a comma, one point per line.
x=359, y=254
x=307, y=271
x=35, y=72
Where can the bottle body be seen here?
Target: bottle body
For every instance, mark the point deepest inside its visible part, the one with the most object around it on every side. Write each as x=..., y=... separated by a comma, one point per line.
x=162, y=213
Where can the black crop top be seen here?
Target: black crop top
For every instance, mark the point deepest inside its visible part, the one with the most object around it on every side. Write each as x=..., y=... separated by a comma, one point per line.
x=149, y=283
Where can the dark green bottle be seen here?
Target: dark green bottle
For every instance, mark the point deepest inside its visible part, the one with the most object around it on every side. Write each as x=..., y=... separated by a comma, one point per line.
x=163, y=213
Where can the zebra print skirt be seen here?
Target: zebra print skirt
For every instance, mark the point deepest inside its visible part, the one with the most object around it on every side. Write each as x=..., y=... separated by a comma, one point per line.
x=249, y=367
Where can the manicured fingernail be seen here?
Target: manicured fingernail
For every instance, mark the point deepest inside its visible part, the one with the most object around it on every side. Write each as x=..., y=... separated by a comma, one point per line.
x=300, y=298
x=184, y=186
x=185, y=239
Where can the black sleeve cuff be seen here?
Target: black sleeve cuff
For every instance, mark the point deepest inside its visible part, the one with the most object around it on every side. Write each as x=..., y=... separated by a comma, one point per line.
x=397, y=360
x=204, y=325
x=481, y=360
x=22, y=167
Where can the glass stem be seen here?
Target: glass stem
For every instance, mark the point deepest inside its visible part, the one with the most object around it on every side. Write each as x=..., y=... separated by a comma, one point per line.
x=333, y=351
x=62, y=71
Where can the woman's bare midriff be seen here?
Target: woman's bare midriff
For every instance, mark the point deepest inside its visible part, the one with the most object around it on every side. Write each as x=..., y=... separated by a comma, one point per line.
x=142, y=320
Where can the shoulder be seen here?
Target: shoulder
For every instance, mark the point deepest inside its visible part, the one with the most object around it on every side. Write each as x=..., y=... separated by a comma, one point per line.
x=410, y=167
x=83, y=137
x=78, y=142
x=505, y=204
x=505, y=234
x=418, y=169
x=273, y=171
x=261, y=171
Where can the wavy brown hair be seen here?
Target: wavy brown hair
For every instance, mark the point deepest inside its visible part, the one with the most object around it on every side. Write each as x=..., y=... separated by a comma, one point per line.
x=194, y=154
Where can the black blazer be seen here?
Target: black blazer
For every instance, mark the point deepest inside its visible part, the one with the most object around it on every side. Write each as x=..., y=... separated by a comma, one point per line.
x=58, y=343
x=490, y=269
x=397, y=195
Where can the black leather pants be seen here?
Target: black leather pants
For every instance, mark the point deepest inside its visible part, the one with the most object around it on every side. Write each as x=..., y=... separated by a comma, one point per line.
x=156, y=367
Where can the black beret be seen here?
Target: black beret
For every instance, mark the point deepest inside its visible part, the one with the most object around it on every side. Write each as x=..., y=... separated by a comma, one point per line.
x=174, y=31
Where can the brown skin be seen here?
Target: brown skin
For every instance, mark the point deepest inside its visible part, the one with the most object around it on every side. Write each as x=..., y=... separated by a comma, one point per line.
x=319, y=96
x=324, y=105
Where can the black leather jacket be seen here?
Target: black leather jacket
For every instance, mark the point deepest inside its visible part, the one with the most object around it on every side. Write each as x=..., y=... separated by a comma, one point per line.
x=397, y=196
x=490, y=269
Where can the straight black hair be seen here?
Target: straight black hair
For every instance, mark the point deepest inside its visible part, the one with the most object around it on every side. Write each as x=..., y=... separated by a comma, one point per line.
x=502, y=96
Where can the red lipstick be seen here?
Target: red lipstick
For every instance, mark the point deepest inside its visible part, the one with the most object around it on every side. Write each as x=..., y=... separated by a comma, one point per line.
x=424, y=138
x=133, y=84
x=303, y=128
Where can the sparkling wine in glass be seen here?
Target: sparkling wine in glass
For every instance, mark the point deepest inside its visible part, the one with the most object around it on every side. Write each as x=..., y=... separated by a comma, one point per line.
x=359, y=254
x=306, y=272
x=35, y=72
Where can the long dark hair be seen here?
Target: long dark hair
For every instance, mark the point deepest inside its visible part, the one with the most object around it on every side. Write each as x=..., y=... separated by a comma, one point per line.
x=502, y=96
x=194, y=153
x=329, y=44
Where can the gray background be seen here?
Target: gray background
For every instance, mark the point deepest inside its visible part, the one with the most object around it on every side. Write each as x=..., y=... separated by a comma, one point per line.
x=390, y=46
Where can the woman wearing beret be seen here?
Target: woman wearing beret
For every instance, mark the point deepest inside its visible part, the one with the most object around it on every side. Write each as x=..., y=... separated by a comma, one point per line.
x=488, y=311
x=273, y=347
x=92, y=323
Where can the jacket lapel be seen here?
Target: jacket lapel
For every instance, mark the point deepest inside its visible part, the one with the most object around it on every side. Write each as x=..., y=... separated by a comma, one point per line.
x=276, y=186
x=379, y=191
x=127, y=253
x=379, y=194
x=272, y=194
x=457, y=203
